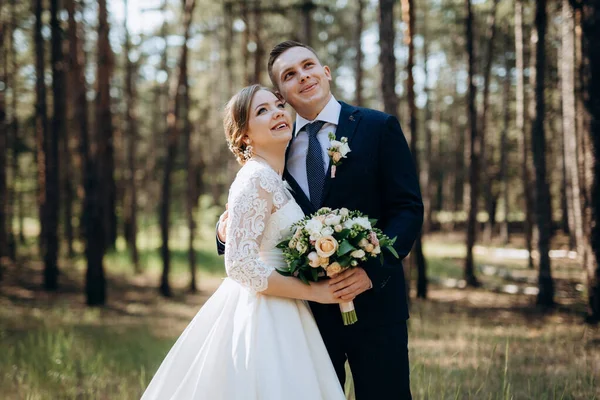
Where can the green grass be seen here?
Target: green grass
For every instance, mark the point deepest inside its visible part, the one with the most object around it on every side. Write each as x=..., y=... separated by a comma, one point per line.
x=464, y=344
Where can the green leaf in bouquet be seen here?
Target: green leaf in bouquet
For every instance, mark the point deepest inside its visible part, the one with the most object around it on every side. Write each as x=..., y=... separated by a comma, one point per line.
x=345, y=248
x=303, y=278
x=343, y=234
x=284, y=272
x=345, y=261
x=282, y=245
x=315, y=274
x=373, y=221
x=393, y=251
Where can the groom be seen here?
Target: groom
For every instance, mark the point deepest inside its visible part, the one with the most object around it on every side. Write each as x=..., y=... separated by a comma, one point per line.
x=377, y=178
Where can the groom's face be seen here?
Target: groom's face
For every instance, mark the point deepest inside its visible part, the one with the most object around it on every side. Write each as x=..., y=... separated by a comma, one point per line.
x=302, y=81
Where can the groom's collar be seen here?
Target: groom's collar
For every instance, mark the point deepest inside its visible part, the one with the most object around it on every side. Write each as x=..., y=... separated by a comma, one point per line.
x=329, y=114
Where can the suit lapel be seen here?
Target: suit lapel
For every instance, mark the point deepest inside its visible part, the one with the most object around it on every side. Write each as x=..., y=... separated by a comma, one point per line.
x=349, y=119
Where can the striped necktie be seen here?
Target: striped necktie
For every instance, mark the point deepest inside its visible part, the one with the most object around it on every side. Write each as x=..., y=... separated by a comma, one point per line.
x=315, y=166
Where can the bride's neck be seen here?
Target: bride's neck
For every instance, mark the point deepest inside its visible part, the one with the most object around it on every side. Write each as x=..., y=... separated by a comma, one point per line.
x=275, y=159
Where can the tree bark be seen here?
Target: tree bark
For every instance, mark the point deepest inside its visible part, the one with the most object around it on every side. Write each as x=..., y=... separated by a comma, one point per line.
x=573, y=195
x=172, y=140
x=131, y=132
x=485, y=157
x=307, y=8
x=14, y=138
x=92, y=214
x=58, y=132
x=358, y=73
x=521, y=132
x=504, y=230
x=426, y=174
x=259, y=53
x=475, y=152
x=228, y=12
x=387, y=58
x=538, y=140
x=104, y=128
x=3, y=149
x=408, y=17
x=591, y=33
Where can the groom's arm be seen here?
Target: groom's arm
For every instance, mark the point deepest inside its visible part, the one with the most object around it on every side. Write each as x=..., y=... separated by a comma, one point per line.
x=402, y=206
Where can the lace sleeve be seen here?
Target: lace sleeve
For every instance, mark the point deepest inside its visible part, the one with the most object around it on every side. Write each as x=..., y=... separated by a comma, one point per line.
x=250, y=205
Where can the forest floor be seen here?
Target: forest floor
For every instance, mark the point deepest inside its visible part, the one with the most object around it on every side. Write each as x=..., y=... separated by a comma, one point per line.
x=485, y=343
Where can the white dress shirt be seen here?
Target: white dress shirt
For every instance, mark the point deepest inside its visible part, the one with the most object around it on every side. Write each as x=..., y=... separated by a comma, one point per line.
x=296, y=162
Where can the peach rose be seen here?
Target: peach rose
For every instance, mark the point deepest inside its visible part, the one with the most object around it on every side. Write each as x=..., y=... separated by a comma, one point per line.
x=333, y=269
x=337, y=157
x=326, y=246
x=314, y=259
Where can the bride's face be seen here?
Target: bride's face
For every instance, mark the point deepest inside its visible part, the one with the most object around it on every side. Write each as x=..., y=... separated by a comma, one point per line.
x=270, y=124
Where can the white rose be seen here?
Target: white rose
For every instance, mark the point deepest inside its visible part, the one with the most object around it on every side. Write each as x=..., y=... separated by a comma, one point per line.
x=314, y=226
x=292, y=243
x=344, y=149
x=369, y=248
x=314, y=260
x=363, y=243
x=344, y=212
x=338, y=228
x=328, y=231
x=332, y=220
x=354, y=263
x=363, y=222
x=336, y=144
x=377, y=250
x=315, y=236
x=349, y=224
x=357, y=254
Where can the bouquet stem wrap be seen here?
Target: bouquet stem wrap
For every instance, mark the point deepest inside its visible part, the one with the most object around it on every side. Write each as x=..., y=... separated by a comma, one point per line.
x=348, y=313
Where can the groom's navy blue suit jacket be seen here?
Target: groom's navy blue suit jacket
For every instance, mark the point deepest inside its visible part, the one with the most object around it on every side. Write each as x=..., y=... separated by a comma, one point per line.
x=378, y=178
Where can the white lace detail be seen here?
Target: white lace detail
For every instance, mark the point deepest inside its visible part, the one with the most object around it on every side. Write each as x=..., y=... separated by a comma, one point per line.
x=255, y=195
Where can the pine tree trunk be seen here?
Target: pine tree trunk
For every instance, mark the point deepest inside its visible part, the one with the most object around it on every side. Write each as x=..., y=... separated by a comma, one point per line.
x=504, y=230
x=3, y=150
x=306, y=8
x=358, y=73
x=92, y=214
x=131, y=132
x=259, y=53
x=387, y=58
x=538, y=141
x=104, y=128
x=573, y=195
x=426, y=176
x=475, y=152
x=521, y=132
x=591, y=33
x=58, y=130
x=485, y=157
x=408, y=13
x=14, y=138
x=172, y=141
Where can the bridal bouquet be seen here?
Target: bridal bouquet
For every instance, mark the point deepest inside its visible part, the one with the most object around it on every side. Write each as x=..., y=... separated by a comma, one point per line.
x=330, y=241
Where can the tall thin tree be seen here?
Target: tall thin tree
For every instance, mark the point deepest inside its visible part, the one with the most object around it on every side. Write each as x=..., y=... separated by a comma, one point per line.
x=57, y=131
x=358, y=73
x=567, y=67
x=485, y=150
x=538, y=142
x=131, y=133
x=387, y=59
x=408, y=17
x=3, y=146
x=503, y=178
x=172, y=143
x=591, y=33
x=521, y=132
x=474, y=151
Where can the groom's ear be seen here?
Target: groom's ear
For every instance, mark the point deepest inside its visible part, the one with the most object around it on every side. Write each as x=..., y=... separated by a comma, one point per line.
x=327, y=72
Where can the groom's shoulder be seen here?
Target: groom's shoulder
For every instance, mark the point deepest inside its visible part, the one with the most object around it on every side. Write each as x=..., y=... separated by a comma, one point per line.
x=370, y=114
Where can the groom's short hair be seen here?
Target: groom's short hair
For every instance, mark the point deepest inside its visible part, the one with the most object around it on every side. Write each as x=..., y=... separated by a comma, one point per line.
x=279, y=50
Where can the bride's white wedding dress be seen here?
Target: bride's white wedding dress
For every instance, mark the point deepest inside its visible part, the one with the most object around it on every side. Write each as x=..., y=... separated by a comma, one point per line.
x=244, y=345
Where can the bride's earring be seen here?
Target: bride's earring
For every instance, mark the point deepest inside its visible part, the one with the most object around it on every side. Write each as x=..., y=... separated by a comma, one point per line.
x=248, y=151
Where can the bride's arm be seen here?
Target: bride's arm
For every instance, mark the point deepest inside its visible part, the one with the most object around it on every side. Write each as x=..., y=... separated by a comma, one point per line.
x=250, y=208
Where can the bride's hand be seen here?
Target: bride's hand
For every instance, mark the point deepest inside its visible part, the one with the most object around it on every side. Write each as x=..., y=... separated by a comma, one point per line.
x=322, y=293
x=222, y=227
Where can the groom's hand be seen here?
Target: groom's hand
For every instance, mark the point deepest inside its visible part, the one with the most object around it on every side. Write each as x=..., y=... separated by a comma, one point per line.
x=350, y=283
x=222, y=227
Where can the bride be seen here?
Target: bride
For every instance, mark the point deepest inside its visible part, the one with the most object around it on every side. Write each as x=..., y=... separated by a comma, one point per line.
x=255, y=338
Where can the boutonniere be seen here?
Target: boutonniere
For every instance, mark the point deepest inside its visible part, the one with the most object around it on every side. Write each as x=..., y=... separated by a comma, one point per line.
x=338, y=149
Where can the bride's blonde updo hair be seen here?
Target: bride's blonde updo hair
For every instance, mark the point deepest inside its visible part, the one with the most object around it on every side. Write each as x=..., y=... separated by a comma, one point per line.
x=235, y=121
